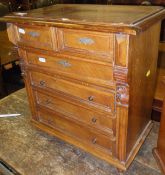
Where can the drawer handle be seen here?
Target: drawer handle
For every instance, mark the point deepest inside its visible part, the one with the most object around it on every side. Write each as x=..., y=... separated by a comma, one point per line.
x=64, y=63
x=91, y=98
x=42, y=83
x=94, y=120
x=94, y=141
x=50, y=121
x=34, y=34
x=86, y=41
x=47, y=102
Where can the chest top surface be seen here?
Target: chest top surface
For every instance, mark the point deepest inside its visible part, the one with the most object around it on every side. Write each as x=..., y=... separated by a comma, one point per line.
x=134, y=18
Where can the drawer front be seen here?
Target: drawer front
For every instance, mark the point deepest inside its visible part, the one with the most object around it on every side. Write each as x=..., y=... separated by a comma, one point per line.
x=74, y=68
x=37, y=37
x=78, y=112
x=75, y=130
x=86, y=42
x=91, y=95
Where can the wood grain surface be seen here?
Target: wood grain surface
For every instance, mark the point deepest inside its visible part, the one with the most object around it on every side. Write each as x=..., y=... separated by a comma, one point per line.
x=130, y=19
x=93, y=89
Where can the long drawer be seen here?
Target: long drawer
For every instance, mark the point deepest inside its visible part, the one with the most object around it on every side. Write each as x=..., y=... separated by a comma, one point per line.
x=100, y=73
x=89, y=94
x=77, y=131
x=76, y=111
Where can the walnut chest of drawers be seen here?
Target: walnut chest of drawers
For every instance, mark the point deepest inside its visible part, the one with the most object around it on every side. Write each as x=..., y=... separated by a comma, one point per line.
x=90, y=72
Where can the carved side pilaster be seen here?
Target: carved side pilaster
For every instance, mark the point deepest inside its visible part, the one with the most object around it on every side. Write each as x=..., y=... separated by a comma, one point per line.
x=22, y=66
x=122, y=104
x=12, y=33
x=122, y=88
x=22, y=62
x=122, y=95
x=121, y=49
x=120, y=74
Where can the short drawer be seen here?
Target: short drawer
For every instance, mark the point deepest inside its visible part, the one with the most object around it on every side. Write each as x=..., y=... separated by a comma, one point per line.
x=75, y=68
x=89, y=43
x=37, y=37
x=89, y=94
x=75, y=130
x=76, y=111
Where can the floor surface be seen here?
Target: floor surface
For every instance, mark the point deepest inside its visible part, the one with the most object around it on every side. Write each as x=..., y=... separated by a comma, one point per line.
x=33, y=152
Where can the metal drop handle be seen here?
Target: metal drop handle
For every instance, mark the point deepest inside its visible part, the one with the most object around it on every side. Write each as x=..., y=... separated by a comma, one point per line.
x=34, y=34
x=42, y=83
x=86, y=41
x=91, y=98
x=64, y=63
x=94, y=141
x=94, y=120
x=47, y=102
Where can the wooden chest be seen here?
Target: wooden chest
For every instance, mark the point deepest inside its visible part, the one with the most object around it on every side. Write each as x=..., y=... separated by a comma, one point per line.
x=90, y=74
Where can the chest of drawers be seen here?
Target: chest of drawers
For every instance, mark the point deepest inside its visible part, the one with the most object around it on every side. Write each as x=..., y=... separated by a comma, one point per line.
x=90, y=72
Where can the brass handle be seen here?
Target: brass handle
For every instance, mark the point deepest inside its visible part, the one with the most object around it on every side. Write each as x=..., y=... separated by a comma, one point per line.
x=91, y=98
x=34, y=34
x=94, y=141
x=86, y=41
x=94, y=120
x=42, y=83
x=64, y=63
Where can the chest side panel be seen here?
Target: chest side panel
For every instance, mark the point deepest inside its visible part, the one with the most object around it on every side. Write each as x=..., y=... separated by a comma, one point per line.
x=143, y=63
